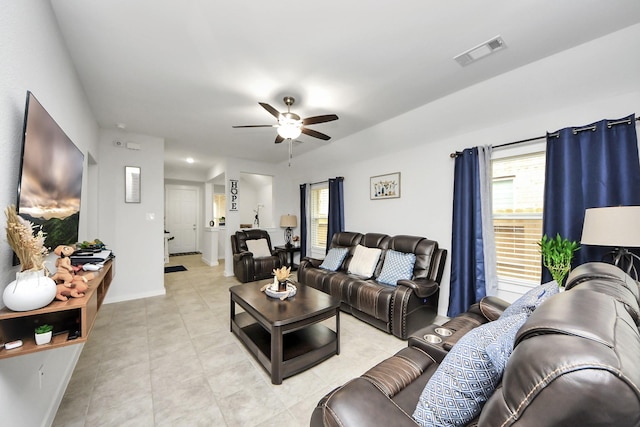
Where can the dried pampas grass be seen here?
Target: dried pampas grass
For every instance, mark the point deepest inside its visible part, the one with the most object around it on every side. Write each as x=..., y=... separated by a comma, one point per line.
x=28, y=247
x=282, y=273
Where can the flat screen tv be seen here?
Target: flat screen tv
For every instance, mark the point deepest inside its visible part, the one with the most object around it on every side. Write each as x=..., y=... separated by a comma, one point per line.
x=50, y=180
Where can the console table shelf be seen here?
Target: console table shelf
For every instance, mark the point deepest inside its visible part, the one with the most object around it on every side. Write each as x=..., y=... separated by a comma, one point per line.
x=76, y=314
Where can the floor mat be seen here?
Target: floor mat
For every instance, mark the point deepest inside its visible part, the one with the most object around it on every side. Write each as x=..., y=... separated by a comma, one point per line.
x=185, y=253
x=175, y=268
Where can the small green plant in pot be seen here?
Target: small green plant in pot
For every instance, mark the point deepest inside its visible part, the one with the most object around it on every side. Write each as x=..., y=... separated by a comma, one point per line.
x=43, y=334
x=557, y=255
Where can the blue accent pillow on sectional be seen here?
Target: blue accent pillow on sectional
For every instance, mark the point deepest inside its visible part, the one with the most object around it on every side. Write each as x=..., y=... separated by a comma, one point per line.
x=397, y=266
x=468, y=375
x=334, y=258
x=528, y=302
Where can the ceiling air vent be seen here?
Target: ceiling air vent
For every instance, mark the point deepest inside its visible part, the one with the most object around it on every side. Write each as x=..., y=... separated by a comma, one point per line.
x=480, y=51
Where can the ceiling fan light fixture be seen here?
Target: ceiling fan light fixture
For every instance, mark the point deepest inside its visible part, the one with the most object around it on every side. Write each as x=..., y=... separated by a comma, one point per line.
x=290, y=125
x=289, y=131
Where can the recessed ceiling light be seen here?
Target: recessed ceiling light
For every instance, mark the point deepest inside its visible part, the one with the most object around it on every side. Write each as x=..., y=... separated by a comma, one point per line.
x=121, y=125
x=190, y=160
x=480, y=51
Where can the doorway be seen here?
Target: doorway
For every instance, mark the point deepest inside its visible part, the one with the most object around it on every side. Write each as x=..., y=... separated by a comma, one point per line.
x=181, y=217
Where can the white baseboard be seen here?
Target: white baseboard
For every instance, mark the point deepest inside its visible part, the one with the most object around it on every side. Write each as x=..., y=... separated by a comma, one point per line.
x=210, y=263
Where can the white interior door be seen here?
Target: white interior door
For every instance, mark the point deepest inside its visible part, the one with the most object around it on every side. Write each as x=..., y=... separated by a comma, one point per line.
x=181, y=217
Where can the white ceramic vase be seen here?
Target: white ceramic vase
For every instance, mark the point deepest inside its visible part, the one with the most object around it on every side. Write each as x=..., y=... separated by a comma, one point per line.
x=31, y=290
x=44, y=338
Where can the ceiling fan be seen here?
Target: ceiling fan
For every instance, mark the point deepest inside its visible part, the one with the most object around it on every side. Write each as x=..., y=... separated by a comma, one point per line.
x=290, y=125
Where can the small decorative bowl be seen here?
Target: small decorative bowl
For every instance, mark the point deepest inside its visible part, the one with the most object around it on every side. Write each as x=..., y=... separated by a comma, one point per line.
x=272, y=291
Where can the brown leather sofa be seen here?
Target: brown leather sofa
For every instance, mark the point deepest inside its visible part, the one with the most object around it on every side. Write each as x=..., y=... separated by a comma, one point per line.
x=400, y=309
x=574, y=363
x=248, y=268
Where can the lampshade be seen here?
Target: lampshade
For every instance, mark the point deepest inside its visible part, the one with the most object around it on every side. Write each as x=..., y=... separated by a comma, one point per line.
x=617, y=226
x=290, y=221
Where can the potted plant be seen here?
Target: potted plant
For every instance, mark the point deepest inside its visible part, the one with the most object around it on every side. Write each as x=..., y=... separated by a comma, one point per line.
x=557, y=255
x=221, y=221
x=44, y=334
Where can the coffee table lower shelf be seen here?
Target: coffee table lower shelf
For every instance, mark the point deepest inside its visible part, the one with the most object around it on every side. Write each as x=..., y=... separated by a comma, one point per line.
x=301, y=348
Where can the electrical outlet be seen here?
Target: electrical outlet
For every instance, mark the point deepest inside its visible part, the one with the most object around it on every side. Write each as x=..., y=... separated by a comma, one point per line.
x=40, y=375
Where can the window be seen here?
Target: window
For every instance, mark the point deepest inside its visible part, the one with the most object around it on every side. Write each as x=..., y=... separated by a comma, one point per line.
x=319, y=216
x=518, y=193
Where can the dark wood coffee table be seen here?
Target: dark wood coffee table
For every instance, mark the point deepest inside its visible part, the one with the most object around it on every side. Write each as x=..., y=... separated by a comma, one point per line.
x=285, y=336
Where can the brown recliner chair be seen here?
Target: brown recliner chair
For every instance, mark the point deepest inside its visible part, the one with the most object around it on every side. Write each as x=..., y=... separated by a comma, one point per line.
x=246, y=266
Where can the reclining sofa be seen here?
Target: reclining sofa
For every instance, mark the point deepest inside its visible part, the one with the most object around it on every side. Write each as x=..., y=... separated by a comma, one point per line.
x=397, y=309
x=574, y=363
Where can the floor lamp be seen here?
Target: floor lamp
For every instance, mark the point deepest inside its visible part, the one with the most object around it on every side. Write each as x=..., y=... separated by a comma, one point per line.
x=618, y=227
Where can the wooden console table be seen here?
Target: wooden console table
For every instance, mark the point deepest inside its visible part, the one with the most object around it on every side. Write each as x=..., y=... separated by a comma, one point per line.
x=74, y=315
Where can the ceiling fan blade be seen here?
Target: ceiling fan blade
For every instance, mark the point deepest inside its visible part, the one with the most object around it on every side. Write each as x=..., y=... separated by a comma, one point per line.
x=279, y=139
x=315, y=134
x=275, y=113
x=255, y=126
x=319, y=119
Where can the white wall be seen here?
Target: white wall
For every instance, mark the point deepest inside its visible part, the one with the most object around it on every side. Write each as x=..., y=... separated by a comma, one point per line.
x=34, y=58
x=585, y=84
x=134, y=231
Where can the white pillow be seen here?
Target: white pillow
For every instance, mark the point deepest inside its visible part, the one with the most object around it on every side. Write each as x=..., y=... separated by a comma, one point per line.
x=258, y=247
x=364, y=261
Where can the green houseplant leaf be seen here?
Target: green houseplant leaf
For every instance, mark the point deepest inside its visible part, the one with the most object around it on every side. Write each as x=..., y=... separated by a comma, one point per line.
x=557, y=254
x=43, y=329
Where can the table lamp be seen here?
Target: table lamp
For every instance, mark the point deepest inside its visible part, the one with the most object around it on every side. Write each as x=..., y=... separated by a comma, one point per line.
x=617, y=226
x=288, y=222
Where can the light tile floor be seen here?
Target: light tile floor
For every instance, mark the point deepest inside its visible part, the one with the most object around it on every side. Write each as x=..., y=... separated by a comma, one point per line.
x=171, y=361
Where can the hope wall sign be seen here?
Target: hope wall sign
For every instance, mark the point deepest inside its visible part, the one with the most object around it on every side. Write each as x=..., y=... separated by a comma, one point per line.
x=233, y=195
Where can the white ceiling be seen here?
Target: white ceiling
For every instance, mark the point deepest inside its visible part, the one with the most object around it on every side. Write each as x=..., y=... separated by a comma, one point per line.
x=188, y=70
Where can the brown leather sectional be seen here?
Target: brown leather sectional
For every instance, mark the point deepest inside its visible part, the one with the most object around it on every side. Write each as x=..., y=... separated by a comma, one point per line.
x=400, y=309
x=574, y=363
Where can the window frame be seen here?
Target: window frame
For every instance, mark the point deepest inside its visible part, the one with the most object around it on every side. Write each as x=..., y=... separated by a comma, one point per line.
x=317, y=250
x=511, y=285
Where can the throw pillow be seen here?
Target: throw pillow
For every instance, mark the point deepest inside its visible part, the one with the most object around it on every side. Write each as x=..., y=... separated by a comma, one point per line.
x=364, y=261
x=258, y=247
x=397, y=266
x=528, y=302
x=334, y=258
x=468, y=375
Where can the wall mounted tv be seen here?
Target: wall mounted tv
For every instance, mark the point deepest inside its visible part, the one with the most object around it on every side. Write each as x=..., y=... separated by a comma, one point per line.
x=50, y=181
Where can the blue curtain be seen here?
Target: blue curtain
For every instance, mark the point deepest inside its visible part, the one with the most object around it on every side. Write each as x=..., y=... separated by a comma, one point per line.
x=588, y=167
x=467, y=257
x=336, y=208
x=303, y=220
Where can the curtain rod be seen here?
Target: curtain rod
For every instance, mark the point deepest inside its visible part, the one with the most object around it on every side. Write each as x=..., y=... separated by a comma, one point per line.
x=322, y=182
x=555, y=135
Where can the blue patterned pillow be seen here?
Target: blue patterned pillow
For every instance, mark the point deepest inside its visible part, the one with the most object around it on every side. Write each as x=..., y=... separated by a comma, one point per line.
x=468, y=375
x=528, y=302
x=334, y=258
x=397, y=266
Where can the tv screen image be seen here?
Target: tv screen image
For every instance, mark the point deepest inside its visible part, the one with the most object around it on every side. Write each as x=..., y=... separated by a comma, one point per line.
x=50, y=182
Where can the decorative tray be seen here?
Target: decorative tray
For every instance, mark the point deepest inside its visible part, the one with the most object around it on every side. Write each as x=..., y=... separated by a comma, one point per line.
x=272, y=291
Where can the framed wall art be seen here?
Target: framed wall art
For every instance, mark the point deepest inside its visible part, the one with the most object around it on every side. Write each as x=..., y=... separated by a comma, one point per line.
x=384, y=186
